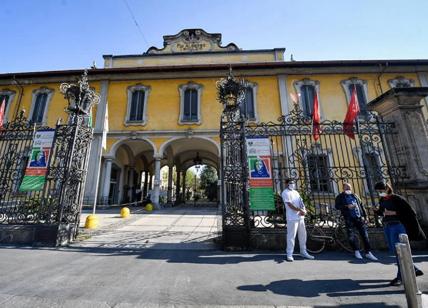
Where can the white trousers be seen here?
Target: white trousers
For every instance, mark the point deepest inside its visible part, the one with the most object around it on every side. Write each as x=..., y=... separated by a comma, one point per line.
x=293, y=227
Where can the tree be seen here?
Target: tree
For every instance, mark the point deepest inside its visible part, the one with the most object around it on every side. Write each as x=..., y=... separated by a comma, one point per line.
x=209, y=182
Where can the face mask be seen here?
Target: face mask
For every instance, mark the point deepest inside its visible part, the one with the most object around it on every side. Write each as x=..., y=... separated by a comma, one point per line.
x=292, y=186
x=382, y=194
x=348, y=192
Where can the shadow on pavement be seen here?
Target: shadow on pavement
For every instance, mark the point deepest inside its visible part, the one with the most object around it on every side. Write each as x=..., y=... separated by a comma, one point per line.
x=331, y=288
x=364, y=305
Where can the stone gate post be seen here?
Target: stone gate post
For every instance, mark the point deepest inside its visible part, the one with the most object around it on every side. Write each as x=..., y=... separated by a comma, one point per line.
x=409, y=147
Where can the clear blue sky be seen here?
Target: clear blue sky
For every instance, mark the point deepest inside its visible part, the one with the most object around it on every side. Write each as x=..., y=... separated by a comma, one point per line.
x=42, y=35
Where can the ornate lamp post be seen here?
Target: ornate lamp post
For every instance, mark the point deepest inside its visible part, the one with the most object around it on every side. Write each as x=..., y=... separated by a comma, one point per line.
x=80, y=98
x=230, y=92
x=198, y=162
x=234, y=200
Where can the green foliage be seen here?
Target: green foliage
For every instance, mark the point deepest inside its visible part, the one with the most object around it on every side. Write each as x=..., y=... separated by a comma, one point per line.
x=209, y=182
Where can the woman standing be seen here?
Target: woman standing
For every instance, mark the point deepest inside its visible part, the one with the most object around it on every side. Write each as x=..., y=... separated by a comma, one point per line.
x=398, y=218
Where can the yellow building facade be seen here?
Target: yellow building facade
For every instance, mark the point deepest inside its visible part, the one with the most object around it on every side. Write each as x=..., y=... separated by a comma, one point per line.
x=160, y=108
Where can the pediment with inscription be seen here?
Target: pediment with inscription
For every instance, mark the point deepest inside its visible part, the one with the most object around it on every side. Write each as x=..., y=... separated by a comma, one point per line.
x=191, y=41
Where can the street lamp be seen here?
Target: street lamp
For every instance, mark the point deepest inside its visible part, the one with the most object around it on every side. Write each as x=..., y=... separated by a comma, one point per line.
x=230, y=91
x=198, y=162
x=80, y=96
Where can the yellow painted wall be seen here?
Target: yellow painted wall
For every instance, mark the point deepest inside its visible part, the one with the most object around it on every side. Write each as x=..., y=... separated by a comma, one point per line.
x=332, y=98
x=57, y=103
x=163, y=104
x=192, y=59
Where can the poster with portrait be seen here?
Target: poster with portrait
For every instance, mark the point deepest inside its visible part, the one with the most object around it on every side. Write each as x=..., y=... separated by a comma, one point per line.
x=37, y=167
x=260, y=174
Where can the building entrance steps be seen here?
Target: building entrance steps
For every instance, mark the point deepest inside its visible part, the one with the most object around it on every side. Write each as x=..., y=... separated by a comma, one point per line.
x=168, y=228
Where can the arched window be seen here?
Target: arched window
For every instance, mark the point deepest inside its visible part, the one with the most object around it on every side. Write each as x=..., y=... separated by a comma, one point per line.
x=248, y=105
x=137, y=105
x=6, y=96
x=190, y=102
x=401, y=82
x=39, y=106
x=307, y=89
x=361, y=89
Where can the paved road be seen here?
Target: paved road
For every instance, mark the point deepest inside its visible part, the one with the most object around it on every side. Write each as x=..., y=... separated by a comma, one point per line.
x=179, y=267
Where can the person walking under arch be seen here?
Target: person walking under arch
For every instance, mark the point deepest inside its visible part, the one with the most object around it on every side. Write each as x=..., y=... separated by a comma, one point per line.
x=398, y=218
x=355, y=216
x=295, y=212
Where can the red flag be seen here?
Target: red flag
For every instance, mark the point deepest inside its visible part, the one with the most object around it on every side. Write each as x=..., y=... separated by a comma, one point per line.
x=2, y=106
x=316, y=119
x=351, y=115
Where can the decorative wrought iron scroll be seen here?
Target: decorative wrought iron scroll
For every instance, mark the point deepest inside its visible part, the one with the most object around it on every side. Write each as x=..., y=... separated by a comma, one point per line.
x=320, y=168
x=60, y=201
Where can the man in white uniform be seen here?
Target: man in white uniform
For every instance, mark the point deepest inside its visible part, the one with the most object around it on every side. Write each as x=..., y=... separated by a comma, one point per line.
x=295, y=211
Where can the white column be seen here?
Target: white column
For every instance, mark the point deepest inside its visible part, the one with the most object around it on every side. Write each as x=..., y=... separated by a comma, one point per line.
x=106, y=183
x=177, y=184
x=156, y=182
x=169, y=194
x=94, y=166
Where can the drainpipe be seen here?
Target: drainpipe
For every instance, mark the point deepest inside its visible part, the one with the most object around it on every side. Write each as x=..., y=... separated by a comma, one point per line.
x=381, y=71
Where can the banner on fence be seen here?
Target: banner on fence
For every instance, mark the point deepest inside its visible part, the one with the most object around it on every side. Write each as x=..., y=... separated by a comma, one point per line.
x=260, y=174
x=37, y=167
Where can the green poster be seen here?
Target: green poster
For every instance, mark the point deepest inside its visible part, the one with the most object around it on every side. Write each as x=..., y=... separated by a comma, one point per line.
x=37, y=167
x=31, y=182
x=261, y=198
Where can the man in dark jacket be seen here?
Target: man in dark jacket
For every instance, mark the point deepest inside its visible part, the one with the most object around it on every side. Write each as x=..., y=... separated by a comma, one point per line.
x=354, y=214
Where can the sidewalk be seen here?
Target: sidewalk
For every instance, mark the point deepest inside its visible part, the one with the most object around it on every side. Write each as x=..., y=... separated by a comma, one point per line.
x=169, y=228
x=167, y=259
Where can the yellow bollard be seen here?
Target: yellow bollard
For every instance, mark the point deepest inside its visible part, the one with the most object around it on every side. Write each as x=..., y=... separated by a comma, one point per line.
x=149, y=207
x=124, y=212
x=91, y=222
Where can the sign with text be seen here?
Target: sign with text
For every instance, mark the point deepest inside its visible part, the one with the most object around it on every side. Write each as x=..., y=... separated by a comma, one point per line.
x=260, y=174
x=37, y=167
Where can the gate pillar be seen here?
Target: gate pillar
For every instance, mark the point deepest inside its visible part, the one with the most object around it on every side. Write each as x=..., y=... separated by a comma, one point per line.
x=234, y=173
x=409, y=146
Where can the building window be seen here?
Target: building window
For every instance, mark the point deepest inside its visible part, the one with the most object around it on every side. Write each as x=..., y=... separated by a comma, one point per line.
x=319, y=179
x=248, y=105
x=401, y=82
x=137, y=106
x=307, y=89
x=361, y=89
x=372, y=164
x=39, y=106
x=137, y=102
x=6, y=96
x=190, y=102
x=190, y=113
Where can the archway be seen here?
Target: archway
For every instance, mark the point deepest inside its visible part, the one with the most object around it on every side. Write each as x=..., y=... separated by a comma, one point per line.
x=132, y=176
x=181, y=155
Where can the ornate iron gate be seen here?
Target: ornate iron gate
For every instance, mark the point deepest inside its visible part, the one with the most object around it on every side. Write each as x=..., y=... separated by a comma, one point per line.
x=49, y=215
x=319, y=168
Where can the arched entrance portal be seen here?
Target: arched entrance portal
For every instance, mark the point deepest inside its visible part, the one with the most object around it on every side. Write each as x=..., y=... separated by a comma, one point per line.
x=127, y=172
x=180, y=154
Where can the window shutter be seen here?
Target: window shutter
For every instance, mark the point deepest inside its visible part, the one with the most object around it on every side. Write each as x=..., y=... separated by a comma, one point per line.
x=137, y=106
x=186, y=107
x=362, y=102
x=194, y=105
x=248, y=104
x=39, y=108
x=307, y=94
